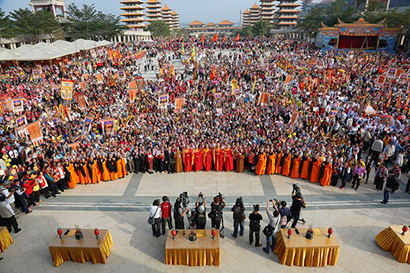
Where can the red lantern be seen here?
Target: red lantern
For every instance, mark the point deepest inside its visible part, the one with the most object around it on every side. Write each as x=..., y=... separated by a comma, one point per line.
x=289, y=233
x=213, y=232
x=173, y=232
x=405, y=229
x=60, y=232
x=329, y=232
x=97, y=233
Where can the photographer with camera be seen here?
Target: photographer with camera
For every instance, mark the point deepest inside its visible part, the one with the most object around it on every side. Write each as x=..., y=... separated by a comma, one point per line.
x=200, y=212
x=155, y=218
x=179, y=213
x=238, y=217
x=255, y=225
x=297, y=204
x=216, y=213
x=273, y=227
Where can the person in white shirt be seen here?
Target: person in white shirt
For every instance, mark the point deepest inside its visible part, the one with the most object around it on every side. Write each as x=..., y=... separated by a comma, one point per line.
x=8, y=215
x=9, y=194
x=156, y=213
x=274, y=222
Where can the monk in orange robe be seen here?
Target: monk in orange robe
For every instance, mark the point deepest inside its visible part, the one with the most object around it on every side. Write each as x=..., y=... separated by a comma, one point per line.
x=271, y=164
x=305, y=169
x=217, y=154
x=95, y=175
x=105, y=176
x=73, y=176
x=124, y=166
x=286, y=165
x=278, y=168
x=314, y=173
x=327, y=175
x=261, y=165
x=120, y=173
x=207, y=159
x=295, y=167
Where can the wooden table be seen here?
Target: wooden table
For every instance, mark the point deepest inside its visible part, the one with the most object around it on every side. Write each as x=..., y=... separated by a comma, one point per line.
x=390, y=239
x=203, y=251
x=5, y=239
x=87, y=249
x=299, y=251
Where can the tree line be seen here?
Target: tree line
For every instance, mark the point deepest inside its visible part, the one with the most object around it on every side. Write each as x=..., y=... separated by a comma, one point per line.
x=82, y=22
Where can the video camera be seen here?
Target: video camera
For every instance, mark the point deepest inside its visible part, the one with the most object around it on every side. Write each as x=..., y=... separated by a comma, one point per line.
x=184, y=199
x=220, y=196
x=296, y=188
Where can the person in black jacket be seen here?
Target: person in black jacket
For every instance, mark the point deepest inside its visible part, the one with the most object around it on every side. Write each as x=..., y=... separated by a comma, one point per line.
x=392, y=185
x=255, y=225
x=238, y=217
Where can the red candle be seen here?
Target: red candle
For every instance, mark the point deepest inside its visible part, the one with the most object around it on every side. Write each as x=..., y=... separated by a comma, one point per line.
x=405, y=229
x=173, y=232
x=96, y=233
x=330, y=232
x=60, y=232
x=213, y=232
x=289, y=233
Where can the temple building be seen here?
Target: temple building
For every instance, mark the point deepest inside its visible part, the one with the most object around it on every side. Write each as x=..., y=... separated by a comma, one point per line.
x=133, y=15
x=166, y=16
x=267, y=10
x=197, y=28
x=287, y=15
x=245, y=18
x=358, y=35
x=153, y=10
x=56, y=7
x=175, y=20
x=255, y=13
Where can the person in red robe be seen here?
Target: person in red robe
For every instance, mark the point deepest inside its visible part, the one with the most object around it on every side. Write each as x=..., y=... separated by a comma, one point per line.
x=228, y=160
x=198, y=164
x=207, y=159
x=217, y=156
x=188, y=160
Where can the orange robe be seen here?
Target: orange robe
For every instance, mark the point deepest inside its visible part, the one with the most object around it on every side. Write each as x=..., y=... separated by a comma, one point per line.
x=295, y=168
x=278, y=167
x=272, y=164
x=105, y=176
x=73, y=177
x=87, y=177
x=327, y=175
x=95, y=176
x=261, y=165
x=286, y=165
x=82, y=178
x=120, y=173
x=314, y=175
x=124, y=166
x=305, y=169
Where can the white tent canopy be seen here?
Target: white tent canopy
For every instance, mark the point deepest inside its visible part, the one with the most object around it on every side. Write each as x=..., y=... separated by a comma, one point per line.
x=44, y=51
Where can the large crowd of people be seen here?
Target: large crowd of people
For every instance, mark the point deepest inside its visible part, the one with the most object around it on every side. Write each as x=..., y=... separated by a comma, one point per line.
x=265, y=106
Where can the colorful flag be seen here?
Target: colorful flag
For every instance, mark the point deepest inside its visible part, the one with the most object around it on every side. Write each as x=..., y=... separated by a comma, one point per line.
x=100, y=78
x=235, y=87
x=18, y=105
x=108, y=125
x=133, y=94
x=34, y=130
x=224, y=39
x=132, y=85
x=237, y=38
x=67, y=87
x=21, y=120
x=202, y=38
x=163, y=100
x=82, y=101
x=263, y=98
x=193, y=53
x=183, y=49
x=215, y=38
x=179, y=103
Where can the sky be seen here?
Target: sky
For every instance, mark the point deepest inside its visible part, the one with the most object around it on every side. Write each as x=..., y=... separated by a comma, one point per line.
x=189, y=10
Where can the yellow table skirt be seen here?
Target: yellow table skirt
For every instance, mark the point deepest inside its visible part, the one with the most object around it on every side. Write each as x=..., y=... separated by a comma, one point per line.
x=5, y=239
x=388, y=240
x=82, y=254
x=193, y=257
x=306, y=256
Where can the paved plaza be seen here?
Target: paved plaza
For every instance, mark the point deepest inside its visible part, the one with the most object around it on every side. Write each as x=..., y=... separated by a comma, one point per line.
x=122, y=207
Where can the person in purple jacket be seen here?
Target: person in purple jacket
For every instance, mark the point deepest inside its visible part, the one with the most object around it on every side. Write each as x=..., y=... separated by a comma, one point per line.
x=359, y=172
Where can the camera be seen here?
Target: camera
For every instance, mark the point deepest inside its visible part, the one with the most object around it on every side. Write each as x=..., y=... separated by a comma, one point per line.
x=296, y=188
x=201, y=195
x=220, y=196
x=184, y=199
